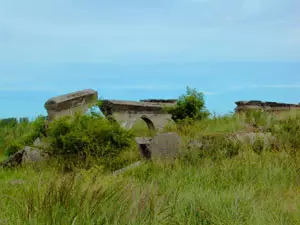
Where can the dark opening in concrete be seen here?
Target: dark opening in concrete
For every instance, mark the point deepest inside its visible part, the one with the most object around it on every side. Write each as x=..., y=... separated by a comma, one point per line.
x=145, y=151
x=149, y=123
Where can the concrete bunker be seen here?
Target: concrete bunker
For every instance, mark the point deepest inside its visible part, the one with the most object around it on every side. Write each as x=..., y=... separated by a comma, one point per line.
x=128, y=112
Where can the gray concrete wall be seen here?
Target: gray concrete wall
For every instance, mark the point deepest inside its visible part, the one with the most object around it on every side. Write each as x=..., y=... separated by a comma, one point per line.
x=124, y=112
x=127, y=120
x=128, y=112
x=71, y=103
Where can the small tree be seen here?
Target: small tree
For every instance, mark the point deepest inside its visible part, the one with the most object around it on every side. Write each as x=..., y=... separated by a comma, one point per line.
x=190, y=106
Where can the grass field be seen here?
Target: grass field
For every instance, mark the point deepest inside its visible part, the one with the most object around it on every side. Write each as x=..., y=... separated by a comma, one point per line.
x=247, y=188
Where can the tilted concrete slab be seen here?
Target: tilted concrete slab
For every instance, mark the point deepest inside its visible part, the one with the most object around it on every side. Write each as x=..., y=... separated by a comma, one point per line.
x=127, y=112
x=71, y=103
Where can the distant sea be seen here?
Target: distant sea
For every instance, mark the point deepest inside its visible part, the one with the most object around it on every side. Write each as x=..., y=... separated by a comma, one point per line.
x=25, y=88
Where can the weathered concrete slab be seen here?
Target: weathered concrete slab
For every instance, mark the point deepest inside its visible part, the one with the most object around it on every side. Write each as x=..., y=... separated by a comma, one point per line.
x=146, y=106
x=266, y=106
x=128, y=112
x=71, y=103
x=33, y=155
x=152, y=111
x=160, y=100
x=165, y=145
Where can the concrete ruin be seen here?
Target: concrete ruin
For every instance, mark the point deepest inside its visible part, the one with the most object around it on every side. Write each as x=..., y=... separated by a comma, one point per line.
x=243, y=106
x=128, y=112
x=71, y=103
x=125, y=112
x=166, y=145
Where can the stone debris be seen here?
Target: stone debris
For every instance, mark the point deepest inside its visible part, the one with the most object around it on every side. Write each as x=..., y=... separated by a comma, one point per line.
x=26, y=155
x=33, y=155
x=160, y=146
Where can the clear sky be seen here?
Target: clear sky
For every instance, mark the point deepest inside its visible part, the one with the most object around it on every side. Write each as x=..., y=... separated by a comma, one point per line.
x=135, y=49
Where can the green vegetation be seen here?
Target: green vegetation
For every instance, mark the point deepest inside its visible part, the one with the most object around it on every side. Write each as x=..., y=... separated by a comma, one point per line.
x=15, y=136
x=89, y=135
x=223, y=181
x=190, y=106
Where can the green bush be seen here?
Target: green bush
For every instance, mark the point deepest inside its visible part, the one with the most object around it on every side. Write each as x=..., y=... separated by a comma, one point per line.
x=88, y=135
x=24, y=133
x=38, y=130
x=13, y=148
x=189, y=107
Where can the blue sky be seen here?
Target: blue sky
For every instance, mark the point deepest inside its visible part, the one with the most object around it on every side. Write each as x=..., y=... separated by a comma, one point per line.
x=231, y=50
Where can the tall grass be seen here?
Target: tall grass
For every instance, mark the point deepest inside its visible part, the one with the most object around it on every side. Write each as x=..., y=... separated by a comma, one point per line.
x=216, y=188
x=248, y=189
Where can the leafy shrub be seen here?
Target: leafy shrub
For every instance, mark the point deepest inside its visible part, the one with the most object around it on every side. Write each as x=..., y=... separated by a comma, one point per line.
x=23, y=134
x=13, y=148
x=88, y=135
x=189, y=107
x=38, y=131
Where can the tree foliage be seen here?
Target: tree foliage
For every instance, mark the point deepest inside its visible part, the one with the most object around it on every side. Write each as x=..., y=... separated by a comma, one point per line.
x=189, y=106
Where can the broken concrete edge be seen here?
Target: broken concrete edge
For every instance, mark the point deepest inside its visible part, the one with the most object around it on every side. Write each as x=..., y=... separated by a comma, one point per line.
x=125, y=169
x=70, y=97
x=68, y=104
x=160, y=100
x=266, y=106
x=108, y=107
